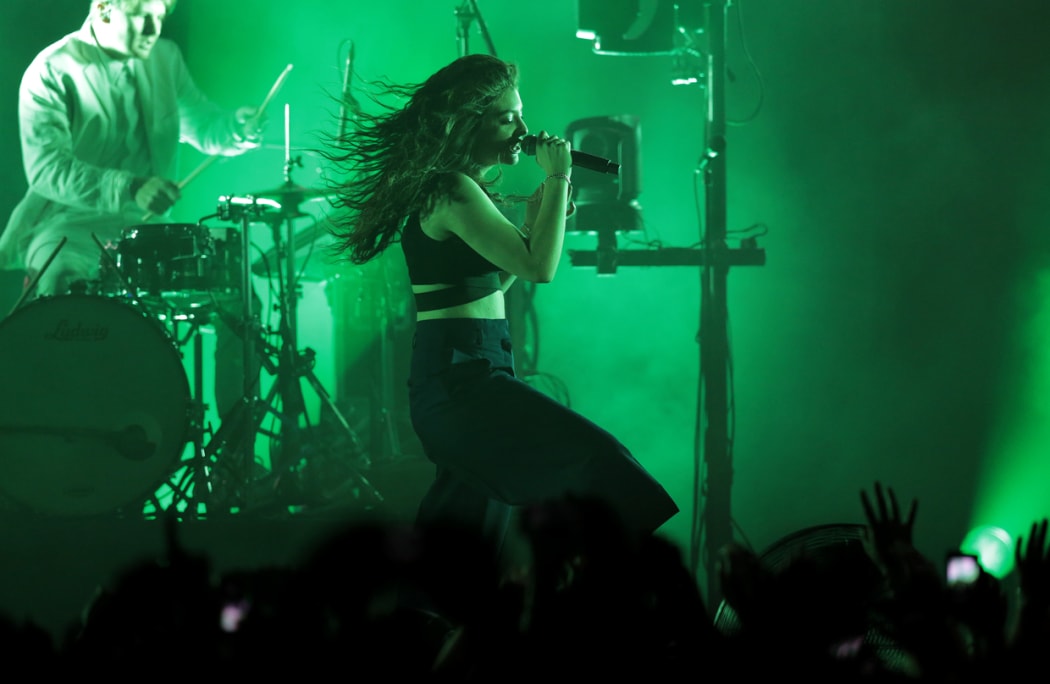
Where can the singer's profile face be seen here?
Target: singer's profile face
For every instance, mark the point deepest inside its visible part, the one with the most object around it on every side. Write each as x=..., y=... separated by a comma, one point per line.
x=501, y=131
x=132, y=32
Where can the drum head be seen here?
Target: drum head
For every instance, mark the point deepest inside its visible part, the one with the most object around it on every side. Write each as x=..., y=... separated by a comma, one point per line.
x=94, y=405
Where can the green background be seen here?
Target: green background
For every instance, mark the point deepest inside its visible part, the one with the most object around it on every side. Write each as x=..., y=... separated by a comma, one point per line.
x=898, y=329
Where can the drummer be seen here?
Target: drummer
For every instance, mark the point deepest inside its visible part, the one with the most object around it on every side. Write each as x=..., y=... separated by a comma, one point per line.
x=99, y=146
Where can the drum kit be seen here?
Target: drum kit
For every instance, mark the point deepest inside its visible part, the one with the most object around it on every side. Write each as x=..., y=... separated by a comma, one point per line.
x=98, y=415
x=101, y=417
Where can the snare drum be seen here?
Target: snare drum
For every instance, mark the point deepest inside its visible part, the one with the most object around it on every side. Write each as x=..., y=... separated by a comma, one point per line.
x=225, y=269
x=95, y=405
x=174, y=265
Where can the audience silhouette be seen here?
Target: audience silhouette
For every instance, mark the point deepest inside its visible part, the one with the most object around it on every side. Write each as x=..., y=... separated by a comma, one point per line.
x=589, y=599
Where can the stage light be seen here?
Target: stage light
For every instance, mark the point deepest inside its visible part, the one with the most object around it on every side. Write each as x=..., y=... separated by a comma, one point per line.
x=627, y=27
x=994, y=548
x=647, y=28
x=607, y=202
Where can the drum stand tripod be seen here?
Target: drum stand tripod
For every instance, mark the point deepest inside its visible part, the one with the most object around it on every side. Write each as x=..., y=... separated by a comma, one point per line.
x=296, y=441
x=192, y=483
x=197, y=482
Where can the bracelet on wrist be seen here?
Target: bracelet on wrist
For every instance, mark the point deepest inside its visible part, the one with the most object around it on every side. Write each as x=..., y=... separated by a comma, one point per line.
x=565, y=177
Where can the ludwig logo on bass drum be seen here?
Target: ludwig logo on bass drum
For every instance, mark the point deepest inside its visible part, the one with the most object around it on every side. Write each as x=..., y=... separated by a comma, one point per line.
x=77, y=332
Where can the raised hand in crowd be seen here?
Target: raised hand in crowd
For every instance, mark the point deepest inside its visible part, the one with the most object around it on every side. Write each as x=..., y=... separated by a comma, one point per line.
x=915, y=612
x=1033, y=593
x=888, y=539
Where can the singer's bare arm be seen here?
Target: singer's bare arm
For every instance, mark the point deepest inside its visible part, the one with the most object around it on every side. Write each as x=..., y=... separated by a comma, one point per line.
x=470, y=214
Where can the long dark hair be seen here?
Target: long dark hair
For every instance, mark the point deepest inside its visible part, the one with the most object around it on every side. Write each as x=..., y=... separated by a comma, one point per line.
x=398, y=162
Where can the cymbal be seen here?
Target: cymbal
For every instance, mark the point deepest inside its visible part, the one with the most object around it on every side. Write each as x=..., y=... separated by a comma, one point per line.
x=290, y=192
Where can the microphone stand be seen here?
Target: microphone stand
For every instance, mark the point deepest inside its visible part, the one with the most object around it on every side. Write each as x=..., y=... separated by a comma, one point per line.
x=714, y=314
x=712, y=518
x=466, y=18
x=467, y=13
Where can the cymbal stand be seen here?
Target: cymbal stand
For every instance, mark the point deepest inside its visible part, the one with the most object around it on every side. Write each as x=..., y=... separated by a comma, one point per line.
x=189, y=486
x=295, y=438
x=236, y=433
x=293, y=442
x=192, y=486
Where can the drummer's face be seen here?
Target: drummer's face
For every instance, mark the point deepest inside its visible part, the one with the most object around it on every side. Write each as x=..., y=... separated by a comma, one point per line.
x=133, y=32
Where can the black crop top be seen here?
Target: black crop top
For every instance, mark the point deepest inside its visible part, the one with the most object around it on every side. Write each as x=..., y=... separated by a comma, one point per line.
x=450, y=261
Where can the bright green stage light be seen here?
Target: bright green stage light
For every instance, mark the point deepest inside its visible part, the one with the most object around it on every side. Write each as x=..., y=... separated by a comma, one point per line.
x=993, y=547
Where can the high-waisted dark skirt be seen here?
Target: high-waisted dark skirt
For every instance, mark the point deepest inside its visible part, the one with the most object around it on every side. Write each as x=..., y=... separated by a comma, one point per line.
x=499, y=443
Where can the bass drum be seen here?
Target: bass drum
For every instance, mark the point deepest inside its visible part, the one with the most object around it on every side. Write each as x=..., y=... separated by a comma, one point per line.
x=95, y=408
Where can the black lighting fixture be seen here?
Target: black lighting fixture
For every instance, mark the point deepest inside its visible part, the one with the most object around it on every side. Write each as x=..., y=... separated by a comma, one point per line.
x=607, y=204
x=647, y=28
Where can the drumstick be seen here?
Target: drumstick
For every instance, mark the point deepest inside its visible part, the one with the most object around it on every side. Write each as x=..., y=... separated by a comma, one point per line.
x=197, y=171
x=39, y=274
x=273, y=91
x=258, y=114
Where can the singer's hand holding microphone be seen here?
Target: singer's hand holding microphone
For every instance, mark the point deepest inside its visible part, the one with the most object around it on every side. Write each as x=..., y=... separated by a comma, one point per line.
x=553, y=154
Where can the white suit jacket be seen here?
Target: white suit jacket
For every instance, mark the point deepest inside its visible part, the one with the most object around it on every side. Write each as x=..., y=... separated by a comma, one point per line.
x=69, y=137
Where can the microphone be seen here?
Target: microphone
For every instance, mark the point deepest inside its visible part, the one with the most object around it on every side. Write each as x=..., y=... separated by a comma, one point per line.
x=350, y=106
x=581, y=159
